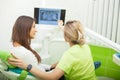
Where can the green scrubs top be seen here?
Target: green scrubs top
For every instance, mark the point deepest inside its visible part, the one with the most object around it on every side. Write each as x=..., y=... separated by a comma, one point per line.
x=77, y=63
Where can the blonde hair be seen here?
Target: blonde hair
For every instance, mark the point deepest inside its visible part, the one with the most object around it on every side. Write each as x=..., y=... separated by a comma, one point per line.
x=74, y=33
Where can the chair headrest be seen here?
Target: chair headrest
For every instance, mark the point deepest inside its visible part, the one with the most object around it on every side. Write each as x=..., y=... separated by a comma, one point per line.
x=4, y=55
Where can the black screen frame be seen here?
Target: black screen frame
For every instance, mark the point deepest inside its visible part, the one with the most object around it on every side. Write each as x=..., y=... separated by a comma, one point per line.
x=36, y=14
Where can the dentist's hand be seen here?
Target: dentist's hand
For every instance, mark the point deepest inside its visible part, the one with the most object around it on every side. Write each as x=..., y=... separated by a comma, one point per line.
x=60, y=24
x=17, y=62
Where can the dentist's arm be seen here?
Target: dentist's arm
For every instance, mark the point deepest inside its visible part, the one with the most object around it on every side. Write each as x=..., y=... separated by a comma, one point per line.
x=54, y=75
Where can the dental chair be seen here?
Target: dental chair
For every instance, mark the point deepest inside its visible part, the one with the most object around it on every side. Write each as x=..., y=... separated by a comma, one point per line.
x=12, y=72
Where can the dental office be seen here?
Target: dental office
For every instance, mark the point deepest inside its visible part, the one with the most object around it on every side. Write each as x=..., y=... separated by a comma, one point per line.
x=100, y=19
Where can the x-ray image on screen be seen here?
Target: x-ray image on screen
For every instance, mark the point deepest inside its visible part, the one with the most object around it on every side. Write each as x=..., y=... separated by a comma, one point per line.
x=48, y=16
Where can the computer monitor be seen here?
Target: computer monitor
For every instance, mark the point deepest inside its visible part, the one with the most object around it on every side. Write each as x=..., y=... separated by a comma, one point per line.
x=49, y=16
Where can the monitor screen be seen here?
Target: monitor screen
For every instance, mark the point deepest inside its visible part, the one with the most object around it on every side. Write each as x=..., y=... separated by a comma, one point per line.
x=48, y=15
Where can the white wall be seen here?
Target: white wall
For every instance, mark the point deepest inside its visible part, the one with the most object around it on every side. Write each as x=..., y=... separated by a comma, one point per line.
x=11, y=9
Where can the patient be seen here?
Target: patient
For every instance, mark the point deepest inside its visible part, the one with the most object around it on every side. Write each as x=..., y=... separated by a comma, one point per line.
x=23, y=31
x=76, y=62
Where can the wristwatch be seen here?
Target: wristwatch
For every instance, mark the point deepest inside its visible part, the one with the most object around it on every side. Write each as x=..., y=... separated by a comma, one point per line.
x=29, y=67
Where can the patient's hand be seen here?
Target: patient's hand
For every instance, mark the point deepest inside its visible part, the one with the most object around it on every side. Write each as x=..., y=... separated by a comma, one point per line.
x=53, y=65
